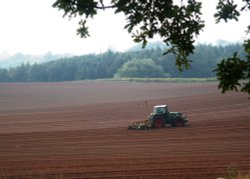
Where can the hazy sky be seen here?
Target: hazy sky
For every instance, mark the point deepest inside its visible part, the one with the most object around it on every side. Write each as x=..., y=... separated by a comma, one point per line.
x=34, y=27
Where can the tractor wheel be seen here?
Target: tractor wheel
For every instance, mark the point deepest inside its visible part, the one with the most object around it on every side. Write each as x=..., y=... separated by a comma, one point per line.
x=158, y=122
x=178, y=122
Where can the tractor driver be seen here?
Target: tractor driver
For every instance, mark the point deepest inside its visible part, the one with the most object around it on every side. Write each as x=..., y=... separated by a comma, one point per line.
x=164, y=109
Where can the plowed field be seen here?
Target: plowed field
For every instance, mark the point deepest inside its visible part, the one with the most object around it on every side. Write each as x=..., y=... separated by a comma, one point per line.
x=79, y=130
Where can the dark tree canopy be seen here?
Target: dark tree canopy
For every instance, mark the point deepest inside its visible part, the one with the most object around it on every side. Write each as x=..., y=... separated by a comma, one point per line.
x=176, y=22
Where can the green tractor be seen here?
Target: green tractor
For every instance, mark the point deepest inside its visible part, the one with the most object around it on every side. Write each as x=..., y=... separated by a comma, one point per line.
x=159, y=118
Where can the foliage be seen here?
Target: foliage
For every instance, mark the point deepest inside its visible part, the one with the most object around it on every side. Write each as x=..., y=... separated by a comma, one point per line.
x=231, y=70
x=108, y=64
x=176, y=23
x=233, y=173
x=142, y=68
x=4, y=75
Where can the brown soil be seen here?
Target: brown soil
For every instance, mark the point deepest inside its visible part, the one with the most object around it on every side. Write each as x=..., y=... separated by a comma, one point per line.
x=79, y=130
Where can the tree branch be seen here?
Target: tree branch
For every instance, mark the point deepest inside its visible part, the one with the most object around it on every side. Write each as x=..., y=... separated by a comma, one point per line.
x=97, y=7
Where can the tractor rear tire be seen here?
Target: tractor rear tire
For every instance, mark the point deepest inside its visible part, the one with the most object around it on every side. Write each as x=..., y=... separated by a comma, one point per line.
x=158, y=122
x=178, y=121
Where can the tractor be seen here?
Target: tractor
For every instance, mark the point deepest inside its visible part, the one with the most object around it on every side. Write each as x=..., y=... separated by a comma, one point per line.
x=159, y=118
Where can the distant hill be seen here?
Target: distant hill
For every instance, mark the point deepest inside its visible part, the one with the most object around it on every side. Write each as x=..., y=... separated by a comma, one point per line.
x=11, y=61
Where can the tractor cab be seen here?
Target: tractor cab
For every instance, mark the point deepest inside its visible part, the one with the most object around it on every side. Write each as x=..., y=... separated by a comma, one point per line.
x=160, y=109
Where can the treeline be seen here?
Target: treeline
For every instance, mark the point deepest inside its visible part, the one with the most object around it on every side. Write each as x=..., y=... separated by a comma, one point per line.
x=142, y=63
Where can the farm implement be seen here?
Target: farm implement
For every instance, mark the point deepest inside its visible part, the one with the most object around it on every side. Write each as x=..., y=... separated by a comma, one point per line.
x=159, y=118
